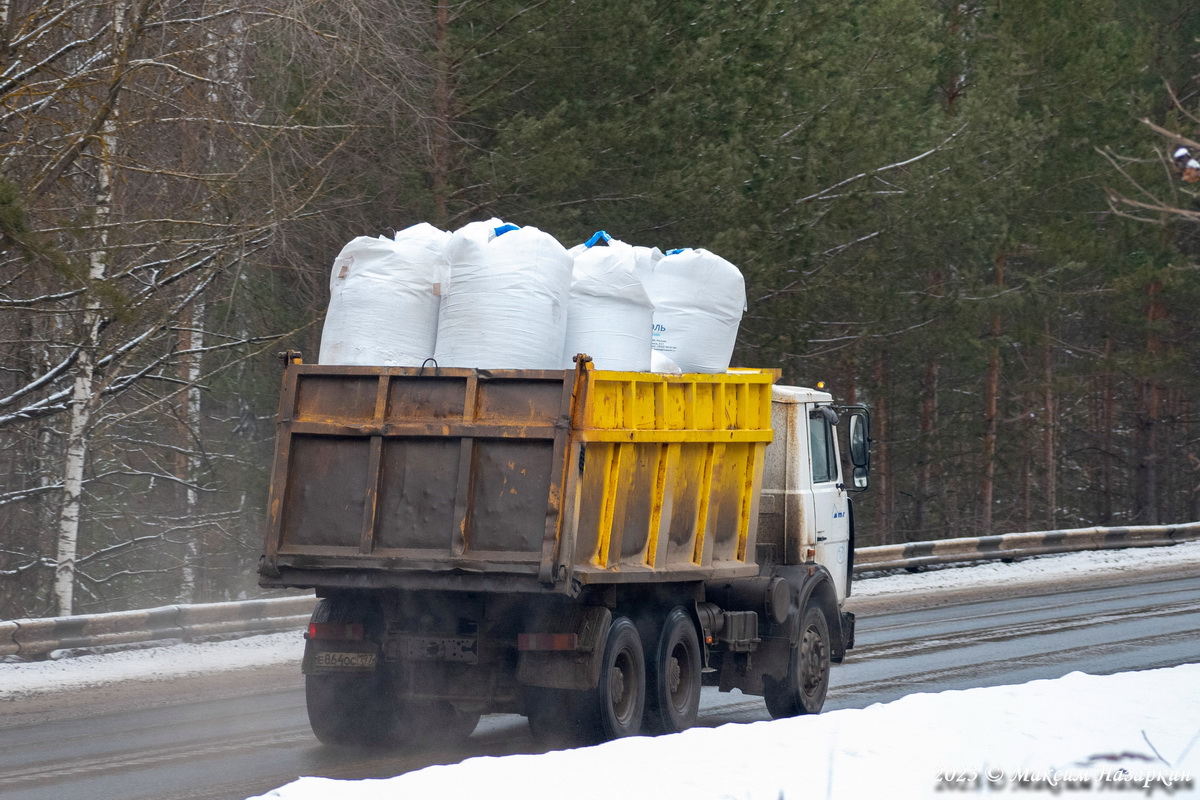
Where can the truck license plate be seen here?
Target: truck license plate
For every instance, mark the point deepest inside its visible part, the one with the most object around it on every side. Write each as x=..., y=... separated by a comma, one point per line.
x=464, y=650
x=346, y=660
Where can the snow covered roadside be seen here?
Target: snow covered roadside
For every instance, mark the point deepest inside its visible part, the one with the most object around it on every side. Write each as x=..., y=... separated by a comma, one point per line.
x=1137, y=733
x=1038, y=569
x=19, y=679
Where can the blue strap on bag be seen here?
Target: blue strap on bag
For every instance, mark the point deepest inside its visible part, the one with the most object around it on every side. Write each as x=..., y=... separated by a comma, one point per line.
x=597, y=237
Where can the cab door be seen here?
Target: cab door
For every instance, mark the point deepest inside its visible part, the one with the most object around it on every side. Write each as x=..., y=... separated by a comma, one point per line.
x=830, y=504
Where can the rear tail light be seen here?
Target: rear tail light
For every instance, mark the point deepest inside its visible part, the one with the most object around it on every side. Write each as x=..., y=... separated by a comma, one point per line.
x=335, y=630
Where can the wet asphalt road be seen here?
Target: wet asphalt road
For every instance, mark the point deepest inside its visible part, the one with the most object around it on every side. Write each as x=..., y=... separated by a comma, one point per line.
x=228, y=737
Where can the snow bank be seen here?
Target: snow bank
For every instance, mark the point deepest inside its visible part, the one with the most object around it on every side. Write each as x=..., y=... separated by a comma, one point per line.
x=1033, y=570
x=150, y=664
x=1135, y=731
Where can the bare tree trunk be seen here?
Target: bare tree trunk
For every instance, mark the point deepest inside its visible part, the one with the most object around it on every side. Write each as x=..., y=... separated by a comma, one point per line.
x=1027, y=462
x=882, y=466
x=73, y=469
x=1108, y=423
x=1149, y=411
x=1192, y=410
x=441, y=114
x=929, y=409
x=991, y=390
x=193, y=345
x=83, y=395
x=849, y=368
x=82, y=402
x=1145, y=498
x=1049, y=428
x=193, y=342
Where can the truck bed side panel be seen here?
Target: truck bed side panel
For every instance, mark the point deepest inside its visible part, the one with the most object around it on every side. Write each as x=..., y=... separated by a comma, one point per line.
x=514, y=480
x=388, y=466
x=671, y=472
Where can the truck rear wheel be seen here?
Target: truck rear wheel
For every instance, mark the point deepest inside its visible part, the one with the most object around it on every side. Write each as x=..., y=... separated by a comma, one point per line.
x=615, y=707
x=803, y=690
x=350, y=710
x=672, y=674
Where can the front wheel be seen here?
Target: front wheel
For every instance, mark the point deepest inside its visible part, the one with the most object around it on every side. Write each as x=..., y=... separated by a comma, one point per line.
x=803, y=690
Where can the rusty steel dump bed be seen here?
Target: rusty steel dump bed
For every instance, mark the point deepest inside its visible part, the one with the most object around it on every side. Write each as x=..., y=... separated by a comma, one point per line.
x=514, y=480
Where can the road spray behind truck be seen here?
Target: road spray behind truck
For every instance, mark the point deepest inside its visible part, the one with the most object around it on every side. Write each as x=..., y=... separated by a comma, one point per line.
x=584, y=547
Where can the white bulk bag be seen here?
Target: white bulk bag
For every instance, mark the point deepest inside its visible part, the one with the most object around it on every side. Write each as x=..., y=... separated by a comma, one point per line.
x=505, y=306
x=609, y=315
x=698, y=301
x=384, y=296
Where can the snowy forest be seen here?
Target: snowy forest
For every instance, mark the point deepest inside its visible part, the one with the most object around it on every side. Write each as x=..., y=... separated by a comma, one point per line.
x=967, y=215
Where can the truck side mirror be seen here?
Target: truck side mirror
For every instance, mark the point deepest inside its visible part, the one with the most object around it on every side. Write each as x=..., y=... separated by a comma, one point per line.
x=825, y=412
x=861, y=478
x=860, y=448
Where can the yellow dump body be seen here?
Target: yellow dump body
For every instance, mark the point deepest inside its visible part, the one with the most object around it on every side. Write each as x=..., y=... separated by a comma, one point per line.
x=514, y=480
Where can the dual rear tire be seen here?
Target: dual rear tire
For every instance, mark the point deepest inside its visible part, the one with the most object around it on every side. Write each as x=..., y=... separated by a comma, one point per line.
x=351, y=710
x=619, y=699
x=649, y=683
x=611, y=710
x=672, y=674
x=362, y=709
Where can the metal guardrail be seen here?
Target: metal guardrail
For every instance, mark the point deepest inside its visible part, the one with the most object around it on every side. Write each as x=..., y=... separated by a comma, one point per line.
x=1010, y=546
x=37, y=638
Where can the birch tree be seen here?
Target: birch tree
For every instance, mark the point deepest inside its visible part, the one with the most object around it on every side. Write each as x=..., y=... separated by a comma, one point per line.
x=135, y=166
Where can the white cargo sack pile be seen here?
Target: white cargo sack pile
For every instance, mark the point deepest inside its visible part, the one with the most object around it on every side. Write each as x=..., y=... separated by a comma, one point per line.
x=384, y=299
x=499, y=296
x=609, y=315
x=698, y=301
x=505, y=306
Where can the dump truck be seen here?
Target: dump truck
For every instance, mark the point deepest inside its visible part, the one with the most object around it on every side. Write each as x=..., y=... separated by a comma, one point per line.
x=587, y=548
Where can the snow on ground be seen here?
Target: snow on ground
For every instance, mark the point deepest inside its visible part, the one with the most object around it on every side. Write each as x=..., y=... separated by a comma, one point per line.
x=1033, y=570
x=19, y=679
x=1137, y=733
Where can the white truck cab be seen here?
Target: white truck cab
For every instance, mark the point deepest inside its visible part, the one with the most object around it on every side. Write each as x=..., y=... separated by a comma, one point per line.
x=805, y=503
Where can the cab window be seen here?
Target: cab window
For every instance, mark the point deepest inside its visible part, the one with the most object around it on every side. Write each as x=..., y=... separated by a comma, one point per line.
x=824, y=459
